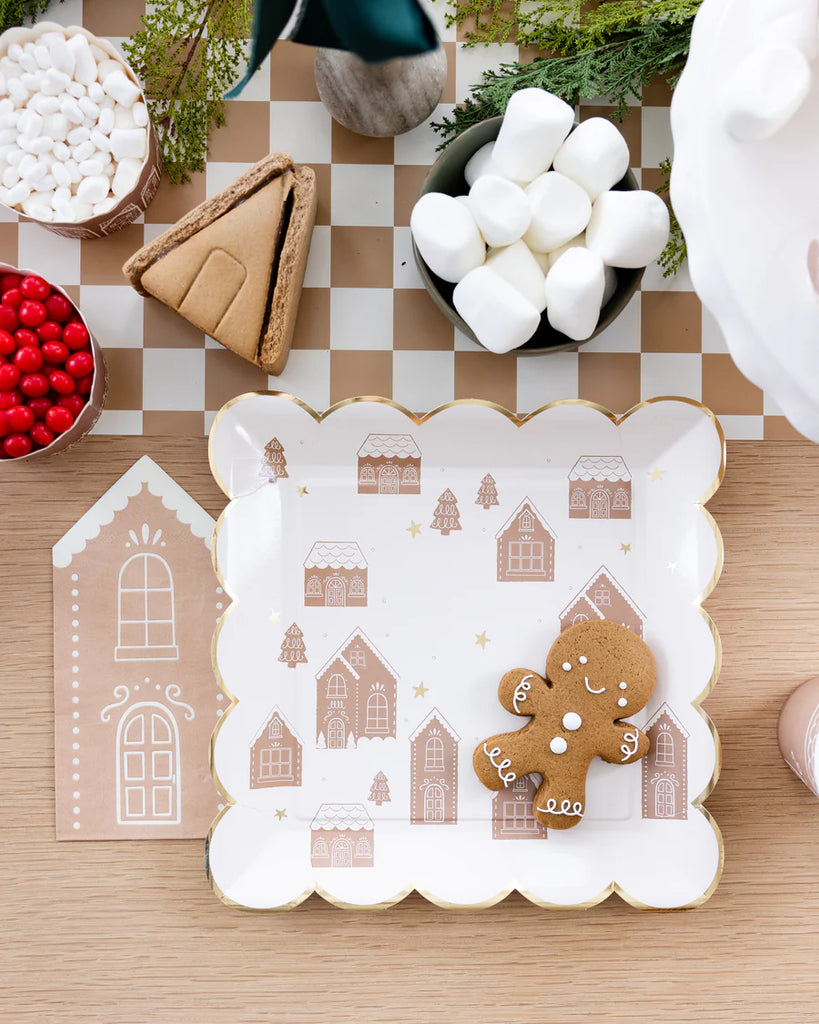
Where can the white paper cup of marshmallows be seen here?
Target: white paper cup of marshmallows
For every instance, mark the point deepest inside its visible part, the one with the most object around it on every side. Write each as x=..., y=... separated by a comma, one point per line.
x=78, y=153
x=530, y=231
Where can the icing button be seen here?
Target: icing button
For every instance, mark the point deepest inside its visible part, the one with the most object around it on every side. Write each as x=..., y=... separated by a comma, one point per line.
x=572, y=721
x=558, y=745
x=583, y=659
x=622, y=702
x=567, y=666
x=622, y=686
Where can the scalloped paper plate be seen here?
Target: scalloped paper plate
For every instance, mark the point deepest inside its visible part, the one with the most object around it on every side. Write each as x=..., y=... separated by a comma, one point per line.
x=385, y=570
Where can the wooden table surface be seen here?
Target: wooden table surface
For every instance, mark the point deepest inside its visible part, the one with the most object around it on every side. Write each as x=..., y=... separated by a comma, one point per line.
x=130, y=932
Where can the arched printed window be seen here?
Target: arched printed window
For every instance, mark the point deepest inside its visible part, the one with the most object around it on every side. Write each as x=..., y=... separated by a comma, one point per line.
x=578, y=499
x=409, y=475
x=664, y=799
x=356, y=587
x=377, y=713
x=314, y=587
x=434, y=755
x=320, y=847
x=526, y=520
x=434, y=804
x=620, y=498
x=275, y=729
x=146, y=622
x=580, y=617
x=367, y=475
x=362, y=847
x=665, y=749
x=148, y=776
x=336, y=686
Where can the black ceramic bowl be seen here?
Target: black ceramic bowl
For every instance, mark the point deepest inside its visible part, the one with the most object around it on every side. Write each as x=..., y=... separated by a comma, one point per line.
x=447, y=175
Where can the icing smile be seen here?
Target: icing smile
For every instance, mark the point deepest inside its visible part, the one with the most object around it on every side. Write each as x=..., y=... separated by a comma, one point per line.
x=591, y=689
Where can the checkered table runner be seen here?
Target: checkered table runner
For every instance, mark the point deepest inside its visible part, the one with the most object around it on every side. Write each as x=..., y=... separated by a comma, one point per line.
x=365, y=324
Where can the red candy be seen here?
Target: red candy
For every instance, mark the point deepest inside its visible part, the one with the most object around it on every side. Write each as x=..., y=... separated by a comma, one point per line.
x=23, y=336
x=59, y=419
x=31, y=313
x=54, y=351
x=20, y=418
x=10, y=398
x=74, y=403
x=8, y=318
x=80, y=364
x=9, y=281
x=29, y=358
x=35, y=287
x=9, y=376
x=17, y=445
x=41, y=434
x=13, y=297
x=7, y=343
x=62, y=382
x=50, y=330
x=40, y=406
x=84, y=384
x=33, y=385
x=75, y=334
x=58, y=308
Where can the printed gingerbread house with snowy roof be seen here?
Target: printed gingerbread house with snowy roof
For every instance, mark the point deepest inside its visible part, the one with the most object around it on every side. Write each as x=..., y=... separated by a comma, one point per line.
x=434, y=772
x=600, y=488
x=135, y=605
x=275, y=754
x=525, y=547
x=342, y=836
x=665, y=767
x=335, y=575
x=355, y=695
x=603, y=597
x=389, y=464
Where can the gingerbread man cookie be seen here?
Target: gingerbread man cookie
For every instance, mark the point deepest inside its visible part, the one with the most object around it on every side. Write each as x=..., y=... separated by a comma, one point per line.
x=597, y=672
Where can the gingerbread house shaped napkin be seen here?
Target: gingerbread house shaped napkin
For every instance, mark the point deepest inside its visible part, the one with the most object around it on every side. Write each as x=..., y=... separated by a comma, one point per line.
x=135, y=604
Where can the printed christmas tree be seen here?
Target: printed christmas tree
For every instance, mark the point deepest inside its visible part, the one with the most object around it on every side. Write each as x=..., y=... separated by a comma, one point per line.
x=293, y=650
x=274, y=464
x=380, y=790
x=447, y=517
x=487, y=493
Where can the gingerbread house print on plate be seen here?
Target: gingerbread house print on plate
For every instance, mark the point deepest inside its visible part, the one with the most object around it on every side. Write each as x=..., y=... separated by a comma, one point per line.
x=512, y=814
x=341, y=836
x=335, y=575
x=603, y=598
x=525, y=547
x=665, y=767
x=275, y=754
x=355, y=695
x=600, y=488
x=434, y=772
x=135, y=604
x=389, y=464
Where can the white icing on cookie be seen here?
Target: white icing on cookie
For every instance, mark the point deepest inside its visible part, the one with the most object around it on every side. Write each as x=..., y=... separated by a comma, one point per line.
x=629, y=747
x=523, y=687
x=572, y=721
x=622, y=702
x=583, y=659
x=558, y=745
x=623, y=686
x=567, y=666
x=590, y=689
x=505, y=776
x=571, y=810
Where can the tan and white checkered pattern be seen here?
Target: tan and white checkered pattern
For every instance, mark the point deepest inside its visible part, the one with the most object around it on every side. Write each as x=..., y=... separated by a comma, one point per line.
x=365, y=324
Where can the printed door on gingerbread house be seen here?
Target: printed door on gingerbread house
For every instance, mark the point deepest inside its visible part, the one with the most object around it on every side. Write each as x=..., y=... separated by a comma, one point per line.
x=600, y=488
x=275, y=754
x=355, y=695
x=434, y=772
x=389, y=464
x=525, y=547
x=665, y=767
x=135, y=604
x=512, y=813
x=602, y=597
x=335, y=575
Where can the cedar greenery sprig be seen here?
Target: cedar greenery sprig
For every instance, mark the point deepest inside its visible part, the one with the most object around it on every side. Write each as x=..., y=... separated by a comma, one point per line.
x=15, y=12
x=188, y=54
x=676, y=250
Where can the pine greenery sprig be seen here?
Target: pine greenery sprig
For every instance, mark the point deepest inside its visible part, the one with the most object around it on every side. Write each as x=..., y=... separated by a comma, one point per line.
x=188, y=55
x=616, y=70
x=15, y=12
x=676, y=251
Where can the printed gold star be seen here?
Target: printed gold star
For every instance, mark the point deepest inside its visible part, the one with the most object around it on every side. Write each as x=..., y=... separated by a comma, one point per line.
x=625, y=548
x=301, y=491
x=421, y=691
x=274, y=617
x=281, y=814
x=657, y=474
x=414, y=528
x=673, y=566
x=482, y=640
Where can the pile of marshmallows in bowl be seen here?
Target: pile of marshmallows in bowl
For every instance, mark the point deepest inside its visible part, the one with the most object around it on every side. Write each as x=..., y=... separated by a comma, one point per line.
x=541, y=228
x=73, y=129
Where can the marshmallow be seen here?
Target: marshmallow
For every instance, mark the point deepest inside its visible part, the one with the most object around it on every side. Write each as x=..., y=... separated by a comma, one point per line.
x=29, y=123
x=37, y=209
x=73, y=171
x=15, y=52
x=10, y=177
x=62, y=194
x=447, y=236
x=516, y=265
x=127, y=142
x=121, y=89
x=75, y=89
x=123, y=118
x=28, y=63
x=595, y=155
x=63, y=211
x=61, y=56
x=71, y=109
x=18, y=92
x=83, y=151
x=78, y=135
x=34, y=174
x=499, y=316
x=9, y=120
x=543, y=259
x=32, y=82
x=105, y=206
x=90, y=168
x=85, y=67
x=17, y=194
x=61, y=151
x=139, y=112
x=579, y=241
x=560, y=210
x=93, y=189
x=500, y=208
x=14, y=158
x=44, y=104
x=89, y=108
x=107, y=67
x=105, y=123
x=26, y=164
x=42, y=57
x=54, y=82
x=96, y=93
x=80, y=210
x=533, y=128
x=98, y=53
x=765, y=92
x=100, y=140
x=61, y=175
x=574, y=293
x=480, y=163
x=126, y=177
x=46, y=184
x=41, y=145
x=628, y=229
x=56, y=126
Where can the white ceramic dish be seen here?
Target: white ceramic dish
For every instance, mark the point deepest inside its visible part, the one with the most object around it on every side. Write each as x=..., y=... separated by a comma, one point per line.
x=749, y=212
x=407, y=631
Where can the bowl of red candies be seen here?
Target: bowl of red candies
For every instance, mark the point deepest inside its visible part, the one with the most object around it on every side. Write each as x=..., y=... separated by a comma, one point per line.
x=52, y=376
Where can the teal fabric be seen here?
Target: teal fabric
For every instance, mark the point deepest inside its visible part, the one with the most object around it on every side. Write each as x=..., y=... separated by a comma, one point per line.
x=375, y=30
